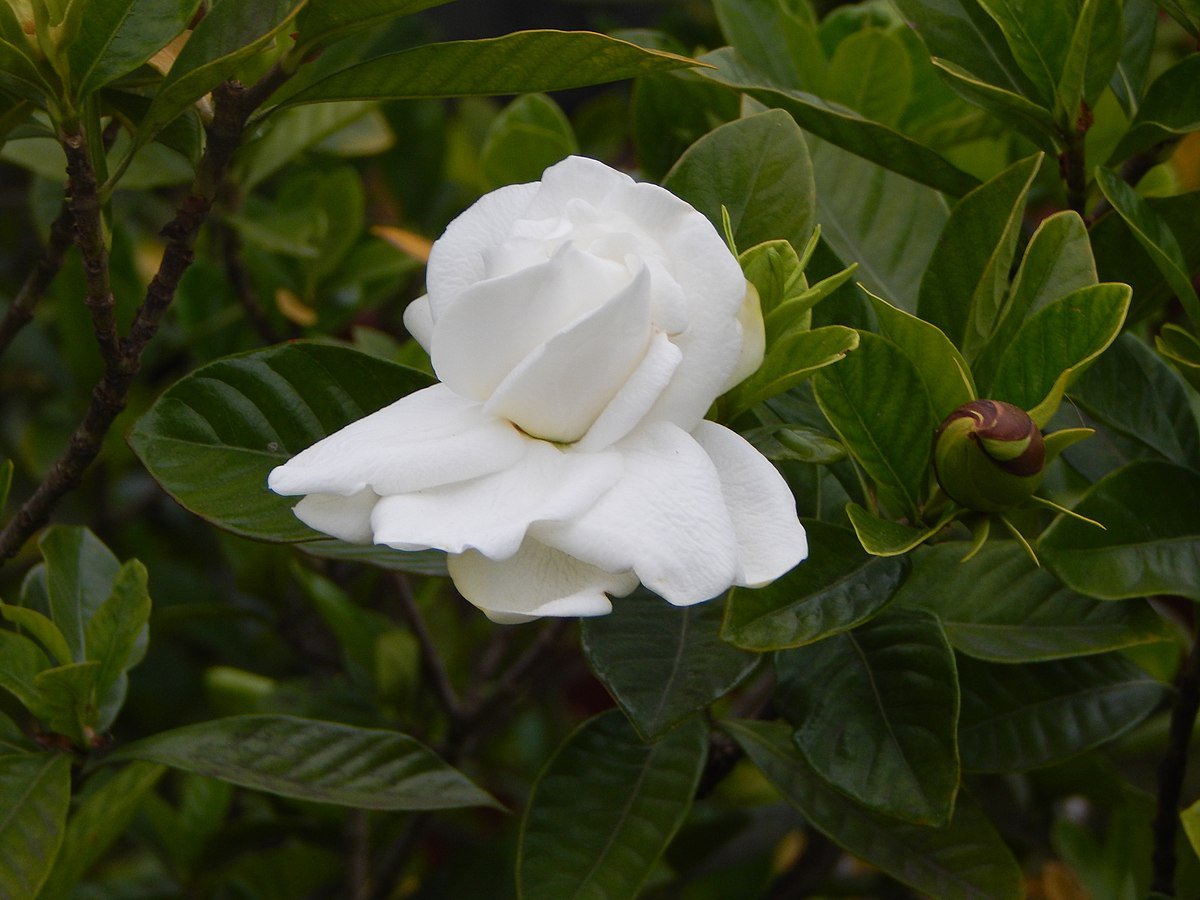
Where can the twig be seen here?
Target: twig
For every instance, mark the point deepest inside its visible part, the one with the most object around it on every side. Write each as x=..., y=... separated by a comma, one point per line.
x=243, y=287
x=358, y=839
x=1172, y=769
x=233, y=105
x=1072, y=162
x=431, y=659
x=20, y=311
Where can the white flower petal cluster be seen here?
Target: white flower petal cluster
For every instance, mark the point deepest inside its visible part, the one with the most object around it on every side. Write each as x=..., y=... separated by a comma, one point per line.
x=580, y=326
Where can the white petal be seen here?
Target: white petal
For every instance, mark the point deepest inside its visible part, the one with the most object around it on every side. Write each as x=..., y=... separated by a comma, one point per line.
x=347, y=518
x=559, y=390
x=428, y=438
x=636, y=396
x=770, y=538
x=456, y=260
x=418, y=319
x=665, y=519
x=575, y=179
x=537, y=581
x=754, y=339
x=481, y=336
x=491, y=514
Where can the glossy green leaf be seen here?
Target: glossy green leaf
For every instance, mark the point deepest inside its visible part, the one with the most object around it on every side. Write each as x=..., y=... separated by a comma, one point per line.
x=530, y=135
x=116, y=635
x=1091, y=57
x=834, y=590
x=80, y=572
x=793, y=312
x=967, y=278
x=876, y=401
x=104, y=812
x=964, y=860
x=1154, y=235
x=791, y=359
x=1151, y=543
x=1013, y=109
x=323, y=22
x=883, y=537
x=1018, y=717
x=35, y=790
x=890, y=685
x=887, y=224
x=227, y=36
x=662, y=663
x=758, y=169
x=525, y=62
x=1039, y=36
x=244, y=415
x=41, y=629
x=310, y=760
x=777, y=38
x=841, y=126
x=946, y=374
x=1057, y=261
x=1170, y=108
x=636, y=796
x=1137, y=46
x=870, y=72
x=999, y=606
x=117, y=36
x=1055, y=344
x=669, y=112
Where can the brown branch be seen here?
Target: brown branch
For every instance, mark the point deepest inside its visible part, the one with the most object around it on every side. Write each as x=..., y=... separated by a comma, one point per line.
x=20, y=311
x=431, y=659
x=1172, y=769
x=243, y=287
x=233, y=105
x=1072, y=162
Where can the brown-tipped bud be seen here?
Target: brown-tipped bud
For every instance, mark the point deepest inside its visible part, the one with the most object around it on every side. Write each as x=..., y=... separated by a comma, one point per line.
x=989, y=455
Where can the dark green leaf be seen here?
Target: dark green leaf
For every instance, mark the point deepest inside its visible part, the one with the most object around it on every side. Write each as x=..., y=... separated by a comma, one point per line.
x=877, y=402
x=758, y=169
x=965, y=860
x=530, y=135
x=113, y=634
x=66, y=700
x=80, y=572
x=967, y=277
x=669, y=113
x=999, y=606
x=117, y=36
x=1092, y=54
x=1053, y=346
x=1183, y=349
x=35, y=790
x=1140, y=24
x=323, y=761
x=322, y=22
x=794, y=357
x=1171, y=107
x=1024, y=116
x=1151, y=542
x=841, y=126
x=1186, y=13
x=838, y=588
x=1039, y=36
x=244, y=415
x=44, y=631
x=662, y=663
x=636, y=796
x=6, y=474
x=1018, y=717
x=777, y=38
x=889, y=685
x=525, y=62
x=883, y=537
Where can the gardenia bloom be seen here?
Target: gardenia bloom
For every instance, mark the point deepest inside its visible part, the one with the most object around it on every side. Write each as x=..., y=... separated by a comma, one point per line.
x=580, y=326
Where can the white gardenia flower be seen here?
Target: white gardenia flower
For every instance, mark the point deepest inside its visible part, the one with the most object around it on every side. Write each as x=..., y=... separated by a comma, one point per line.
x=580, y=326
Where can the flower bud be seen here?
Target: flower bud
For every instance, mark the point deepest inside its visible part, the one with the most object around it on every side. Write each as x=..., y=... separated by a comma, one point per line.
x=988, y=455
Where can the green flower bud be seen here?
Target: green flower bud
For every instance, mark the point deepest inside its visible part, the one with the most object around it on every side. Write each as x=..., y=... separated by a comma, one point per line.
x=988, y=455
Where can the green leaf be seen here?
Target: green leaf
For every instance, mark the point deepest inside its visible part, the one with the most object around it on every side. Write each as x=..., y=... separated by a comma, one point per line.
x=1018, y=717
x=80, y=572
x=946, y=374
x=876, y=401
x=999, y=606
x=6, y=474
x=228, y=35
x=1128, y=81
x=1057, y=261
x=887, y=224
x=530, y=135
x=1024, y=116
x=40, y=628
x=244, y=415
x=105, y=811
x=791, y=359
x=20, y=662
x=1170, y=108
x=117, y=36
x=883, y=537
x=66, y=700
x=967, y=278
x=1154, y=235
x=871, y=73
x=356, y=629
x=116, y=635
x=889, y=685
x=323, y=22
x=1039, y=36
x=1190, y=818
x=35, y=790
x=841, y=126
x=636, y=796
x=1053, y=346
x=758, y=169
x=1092, y=55
x=1151, y=543
x=964, y=860
x=525, y=62
x=669, y=112
x=836, y=589
x=777, y=38
x=780, y=443
x=1183, y=349
x=1186, y=13
x=327, y=762
x=289, y=134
